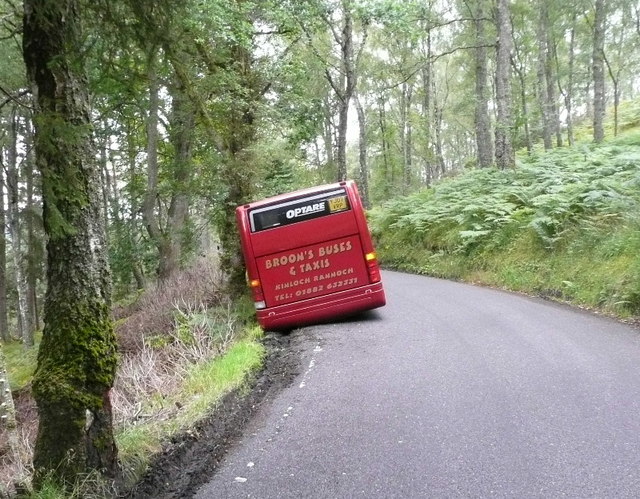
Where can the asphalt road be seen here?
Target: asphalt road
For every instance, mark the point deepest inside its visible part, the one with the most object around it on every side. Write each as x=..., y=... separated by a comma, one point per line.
x=450, y=391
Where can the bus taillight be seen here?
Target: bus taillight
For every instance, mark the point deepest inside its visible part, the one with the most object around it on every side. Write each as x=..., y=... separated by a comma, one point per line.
x=258, y=295
x=372, y=267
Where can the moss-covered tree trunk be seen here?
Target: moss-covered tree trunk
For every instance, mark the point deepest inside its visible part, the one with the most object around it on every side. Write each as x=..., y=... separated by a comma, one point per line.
x=238, y=171
x=77, y=356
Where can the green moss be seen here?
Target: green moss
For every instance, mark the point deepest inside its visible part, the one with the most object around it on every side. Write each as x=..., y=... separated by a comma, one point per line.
x=77, y=358
x=76, y=368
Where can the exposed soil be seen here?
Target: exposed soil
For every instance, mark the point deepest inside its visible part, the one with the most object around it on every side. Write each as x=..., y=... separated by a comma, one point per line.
x=190, y=459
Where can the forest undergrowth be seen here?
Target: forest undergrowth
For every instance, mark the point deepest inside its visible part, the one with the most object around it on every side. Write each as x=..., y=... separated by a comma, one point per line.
x=563, y=224
x=182, y=347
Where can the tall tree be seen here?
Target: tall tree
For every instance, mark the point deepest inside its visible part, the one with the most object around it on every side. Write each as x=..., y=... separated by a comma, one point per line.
x=567, y=92
x=77, y=356
x=151, y=194
x=167, y=237
x=4, y=323
x=363, y=172
x=482, y=121
x=598, y=71
x=544, y=97
x=238, y=158
x=505, y=157
x=34, y=237
x=427, y=105
x=182, y=130
x=346, y=88
x=341, y=73
x=406, y=135
x=13, y=191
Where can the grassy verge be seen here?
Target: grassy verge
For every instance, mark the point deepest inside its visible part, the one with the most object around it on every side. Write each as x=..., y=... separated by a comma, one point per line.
x=204, y=384
x=563, y=224
x=589, y=270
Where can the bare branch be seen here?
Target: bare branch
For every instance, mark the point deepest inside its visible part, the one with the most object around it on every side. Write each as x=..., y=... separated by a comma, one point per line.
x=365, y=34
x=273, y=32
x=336, y=36
x=323, y=61
x=280, y=58
x=15, y=98
x=452, y=21
x=419, y=67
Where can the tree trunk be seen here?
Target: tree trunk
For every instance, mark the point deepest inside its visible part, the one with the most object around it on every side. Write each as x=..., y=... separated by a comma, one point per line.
x=8, y=424
x=328, y=134
x=341, y=146
x=587, y=91
x=615, y=79
x=598, y=71
x=238, y=169
x=77, y=357
x=182, y=130
x=4, y=323
x=346, y=92
x=505, y=157
x=363, y=173
x=544, y=99
x=551, y=86
x=24, y=325
x=427, y=77
x=440, y=164
x=106, y=176
x=568, y=97
x=151, y=195
x=387, y=179
x=525, y=108
x=168, y=240
x=407, y=135
x=34, y=254
x=344, y=85
x=137, y=269
x=484, y=144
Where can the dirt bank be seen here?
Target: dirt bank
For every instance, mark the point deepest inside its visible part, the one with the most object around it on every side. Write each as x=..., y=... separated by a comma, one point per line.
x=192, y=457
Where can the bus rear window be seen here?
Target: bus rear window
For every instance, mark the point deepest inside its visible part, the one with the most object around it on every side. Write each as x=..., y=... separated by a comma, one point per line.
x=299, y=210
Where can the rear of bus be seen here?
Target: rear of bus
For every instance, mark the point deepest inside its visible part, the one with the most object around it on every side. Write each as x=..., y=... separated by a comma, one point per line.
x=309, y=256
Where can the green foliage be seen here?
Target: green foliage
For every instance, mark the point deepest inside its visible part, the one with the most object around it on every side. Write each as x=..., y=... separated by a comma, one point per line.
x=21, y=362
x=563, y=223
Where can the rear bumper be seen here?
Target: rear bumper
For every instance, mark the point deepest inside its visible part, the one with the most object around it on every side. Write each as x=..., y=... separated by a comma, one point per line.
x=322, y=308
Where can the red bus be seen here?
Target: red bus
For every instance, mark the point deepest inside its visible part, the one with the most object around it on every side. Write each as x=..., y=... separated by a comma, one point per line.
x=309, y=256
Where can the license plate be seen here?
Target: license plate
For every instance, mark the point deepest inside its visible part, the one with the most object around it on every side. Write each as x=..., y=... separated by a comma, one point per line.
x=338, y=204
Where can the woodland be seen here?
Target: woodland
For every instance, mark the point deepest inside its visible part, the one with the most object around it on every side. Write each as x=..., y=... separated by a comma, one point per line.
x=492, y=140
